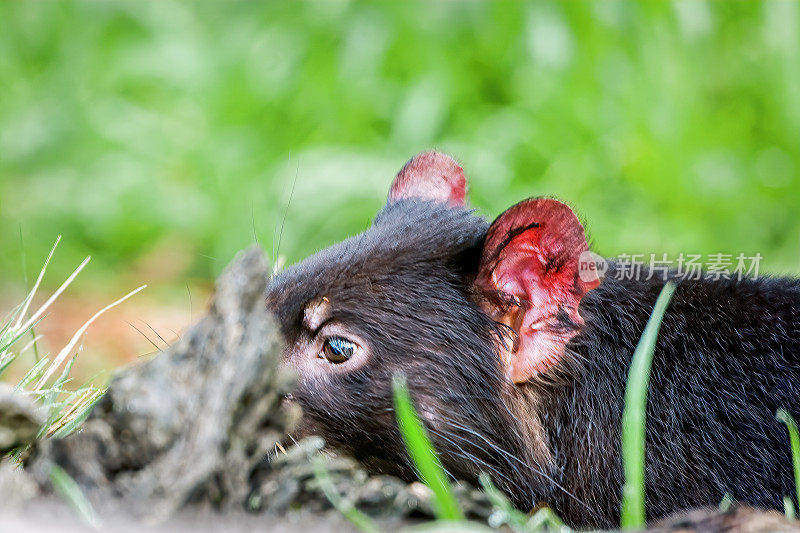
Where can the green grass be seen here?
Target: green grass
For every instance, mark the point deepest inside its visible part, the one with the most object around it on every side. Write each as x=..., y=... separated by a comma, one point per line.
x=634, y=420
x=788, y=508
x=71, y=492
x=505, y=514
x=347, y=509
x=794, y=440
x=47, y=380
x=427, y=463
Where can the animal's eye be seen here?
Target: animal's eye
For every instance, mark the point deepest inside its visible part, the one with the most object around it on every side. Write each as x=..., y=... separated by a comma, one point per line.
x=338, y=350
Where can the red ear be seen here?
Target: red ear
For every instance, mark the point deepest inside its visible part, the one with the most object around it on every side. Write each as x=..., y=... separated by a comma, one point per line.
x=431, y=176
x=529, y=274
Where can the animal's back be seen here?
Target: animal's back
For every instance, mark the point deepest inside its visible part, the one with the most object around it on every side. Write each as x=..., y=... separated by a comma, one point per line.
x=727, y=357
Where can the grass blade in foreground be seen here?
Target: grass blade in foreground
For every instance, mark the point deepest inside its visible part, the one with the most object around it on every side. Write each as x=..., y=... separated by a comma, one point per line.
x=794, y=439
x=422, y=453
x=65, y=409
x=356, y=517
x=634, y=417
x=788, y=507
x=505, y=513
x=72, y=493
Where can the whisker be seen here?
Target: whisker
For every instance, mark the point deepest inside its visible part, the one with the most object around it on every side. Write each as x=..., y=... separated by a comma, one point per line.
x=467, y=455
x=491, y=444
x=146, y=337
x=253, y=221
x=157, y=334
x=178, y=335
x=188, y=290
x=286, y=211
x=534, y=468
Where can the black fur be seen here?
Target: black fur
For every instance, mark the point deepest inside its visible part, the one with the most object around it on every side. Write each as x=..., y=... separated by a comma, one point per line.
x=727, y=357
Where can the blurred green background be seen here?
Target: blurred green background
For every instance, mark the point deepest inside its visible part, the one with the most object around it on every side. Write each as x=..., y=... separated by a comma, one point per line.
x=161, y=137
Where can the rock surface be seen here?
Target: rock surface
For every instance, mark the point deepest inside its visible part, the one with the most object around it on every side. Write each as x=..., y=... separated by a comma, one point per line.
x=20, y=418
x=194, y=421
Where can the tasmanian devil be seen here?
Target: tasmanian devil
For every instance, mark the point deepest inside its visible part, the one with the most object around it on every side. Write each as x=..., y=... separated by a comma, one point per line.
x=517, y=359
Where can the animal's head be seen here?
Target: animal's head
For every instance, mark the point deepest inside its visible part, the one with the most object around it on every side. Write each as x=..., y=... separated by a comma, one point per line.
x=468, y=311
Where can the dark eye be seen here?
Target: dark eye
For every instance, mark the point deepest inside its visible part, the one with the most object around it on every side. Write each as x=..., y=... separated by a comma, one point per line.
x=338, y=350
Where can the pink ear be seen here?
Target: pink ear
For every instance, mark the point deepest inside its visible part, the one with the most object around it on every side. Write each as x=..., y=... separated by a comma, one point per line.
x=529, y=274
x=430, y=176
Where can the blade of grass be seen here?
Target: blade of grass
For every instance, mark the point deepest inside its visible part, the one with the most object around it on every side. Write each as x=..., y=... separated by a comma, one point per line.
x=35, y=343
x=32, y=344
x=725, y=503
x=506, y=514
x=39, y=312
x=794, y=440
x=72, y=493
x=65, y=409
x=422, y=453
x=7, y=321
x=66, y=350
x=503, y=512
x=33, y=290
x=5, y=361
x=17, y=336
x=77, y=414
x=32, y=374
x=788, y=507
x=356, y=517
x=634, y=417
x=63, y=379
x=546, y=520
x=59, y=409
